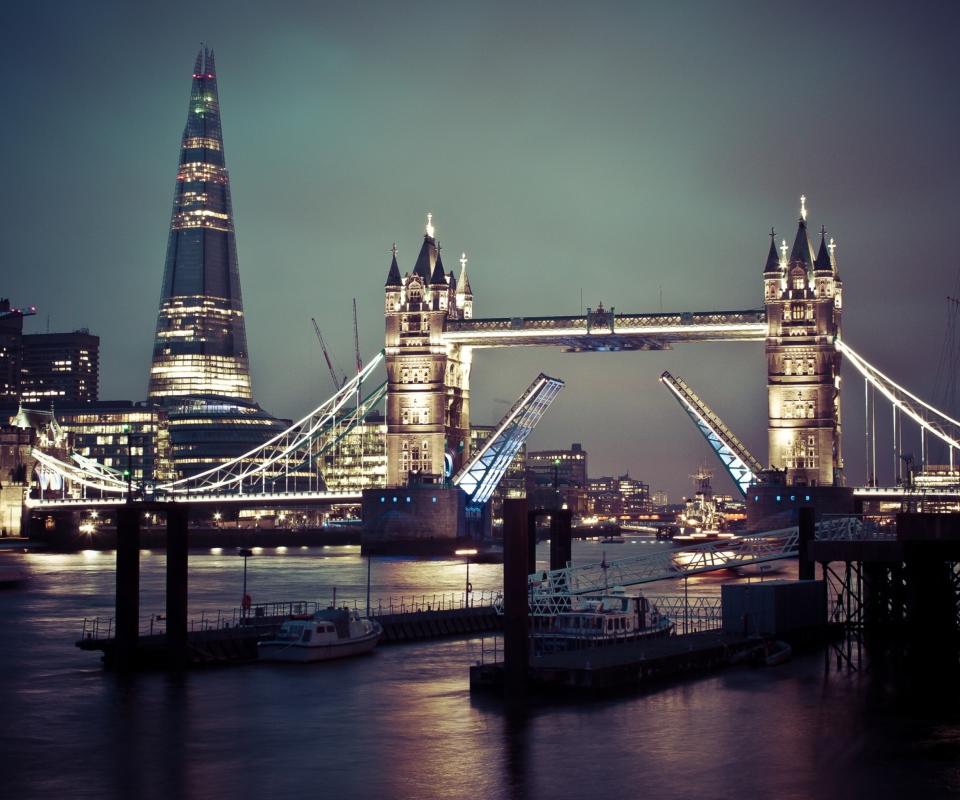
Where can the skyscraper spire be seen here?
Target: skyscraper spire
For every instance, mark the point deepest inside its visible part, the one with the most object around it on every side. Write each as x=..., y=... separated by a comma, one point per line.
x=201, y=345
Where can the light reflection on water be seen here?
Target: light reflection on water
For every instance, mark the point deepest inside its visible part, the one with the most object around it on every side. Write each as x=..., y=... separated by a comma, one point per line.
x=402, y=724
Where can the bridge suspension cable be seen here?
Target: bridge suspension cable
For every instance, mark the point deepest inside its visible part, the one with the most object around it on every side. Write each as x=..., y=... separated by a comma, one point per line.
x=288, y=456
x=925, y=415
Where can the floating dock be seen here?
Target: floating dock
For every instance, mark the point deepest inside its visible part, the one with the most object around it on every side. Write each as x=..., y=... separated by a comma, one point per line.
x=238, y=644
x=598, y=669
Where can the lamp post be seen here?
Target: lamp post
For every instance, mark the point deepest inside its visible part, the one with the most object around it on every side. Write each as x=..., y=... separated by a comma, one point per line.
x=469, y=587
x=245, y=601
x=369, y=557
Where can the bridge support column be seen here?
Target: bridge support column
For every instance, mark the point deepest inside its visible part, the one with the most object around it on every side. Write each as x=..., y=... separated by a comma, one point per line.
x=561, y=548
x=516, y=612
x=806, y=531
x=932, y=639
x=177, y=655
x=128, y=588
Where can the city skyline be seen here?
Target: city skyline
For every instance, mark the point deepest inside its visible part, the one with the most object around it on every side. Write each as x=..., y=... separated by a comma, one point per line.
x=631, y=155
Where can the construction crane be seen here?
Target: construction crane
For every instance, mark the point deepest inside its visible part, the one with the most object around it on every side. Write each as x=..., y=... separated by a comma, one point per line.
x=337, y=383
x=356, y=338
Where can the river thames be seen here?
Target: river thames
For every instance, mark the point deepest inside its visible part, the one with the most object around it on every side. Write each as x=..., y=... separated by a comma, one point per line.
x=401, y=723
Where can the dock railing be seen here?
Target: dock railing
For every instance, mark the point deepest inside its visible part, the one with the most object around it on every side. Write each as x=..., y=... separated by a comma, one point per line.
x=265, y=613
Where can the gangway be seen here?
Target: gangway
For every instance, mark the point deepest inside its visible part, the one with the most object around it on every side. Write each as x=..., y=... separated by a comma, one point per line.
x=550, y=590
x=734, y=456
x=482, y=472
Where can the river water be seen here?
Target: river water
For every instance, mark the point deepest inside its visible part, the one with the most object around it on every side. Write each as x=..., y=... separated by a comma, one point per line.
x=401, y=723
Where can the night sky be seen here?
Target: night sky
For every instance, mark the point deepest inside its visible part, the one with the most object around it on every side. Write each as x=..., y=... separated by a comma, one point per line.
x=613, y=149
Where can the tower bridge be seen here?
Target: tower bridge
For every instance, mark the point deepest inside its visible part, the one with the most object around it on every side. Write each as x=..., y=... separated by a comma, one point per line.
x=430, y=336
x=431, y=333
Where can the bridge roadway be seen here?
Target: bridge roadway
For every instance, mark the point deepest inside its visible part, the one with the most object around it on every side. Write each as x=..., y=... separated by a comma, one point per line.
x=606, y=331
x=198, y=499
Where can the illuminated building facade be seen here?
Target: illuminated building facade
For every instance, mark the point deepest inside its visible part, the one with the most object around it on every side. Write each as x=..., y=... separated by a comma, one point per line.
x=201, y=344
x=428, y=403
x=121, y=435
x=803, y=302
x=205, y=432
x=16, y=467
x=359, y=460
x=60, y=367
x=570, y=463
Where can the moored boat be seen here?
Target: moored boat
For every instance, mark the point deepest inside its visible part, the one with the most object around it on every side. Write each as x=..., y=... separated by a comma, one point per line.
x=599, y=619
x=322, y=636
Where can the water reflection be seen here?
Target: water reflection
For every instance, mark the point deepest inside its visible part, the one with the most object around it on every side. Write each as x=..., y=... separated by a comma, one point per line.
x=400, y=723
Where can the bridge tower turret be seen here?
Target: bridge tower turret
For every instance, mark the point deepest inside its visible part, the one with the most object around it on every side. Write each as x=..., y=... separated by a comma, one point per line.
x=802, y=295
x=428, y=393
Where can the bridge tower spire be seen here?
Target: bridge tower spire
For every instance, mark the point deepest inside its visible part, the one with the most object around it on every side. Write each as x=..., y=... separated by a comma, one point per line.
x=803, y=302
x=428, y=395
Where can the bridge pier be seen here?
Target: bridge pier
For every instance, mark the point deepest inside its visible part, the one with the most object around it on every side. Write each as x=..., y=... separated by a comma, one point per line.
x=177, y=655
x=516, y=614
x=128, y=588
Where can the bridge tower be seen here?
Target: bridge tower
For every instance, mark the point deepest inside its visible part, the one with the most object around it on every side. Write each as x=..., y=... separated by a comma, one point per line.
x=802, y=295
x=428, y=393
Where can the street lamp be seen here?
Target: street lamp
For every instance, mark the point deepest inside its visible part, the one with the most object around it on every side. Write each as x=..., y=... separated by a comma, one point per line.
x=467, y=553
x=245, y=601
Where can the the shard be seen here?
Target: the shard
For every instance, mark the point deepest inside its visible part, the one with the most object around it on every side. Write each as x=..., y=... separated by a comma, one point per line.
x=201, y=345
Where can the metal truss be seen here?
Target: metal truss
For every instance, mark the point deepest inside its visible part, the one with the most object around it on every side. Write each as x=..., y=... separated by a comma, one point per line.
x=607, y=331
x=482, y=472
x=734, y=456
x=284, y=464
x=549, y=588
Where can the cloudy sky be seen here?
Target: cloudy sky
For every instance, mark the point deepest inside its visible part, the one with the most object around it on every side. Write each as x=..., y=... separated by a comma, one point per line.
x=618, y=150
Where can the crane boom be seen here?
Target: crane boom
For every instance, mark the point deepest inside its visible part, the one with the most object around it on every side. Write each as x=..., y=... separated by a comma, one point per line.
x=326, y=355
x=356, y=338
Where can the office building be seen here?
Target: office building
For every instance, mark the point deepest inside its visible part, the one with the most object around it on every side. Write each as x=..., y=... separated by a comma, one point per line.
x=60, y=368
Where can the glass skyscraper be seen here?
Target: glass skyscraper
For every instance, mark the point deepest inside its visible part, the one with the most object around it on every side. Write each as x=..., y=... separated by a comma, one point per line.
x=200, y=371
x=201, y=344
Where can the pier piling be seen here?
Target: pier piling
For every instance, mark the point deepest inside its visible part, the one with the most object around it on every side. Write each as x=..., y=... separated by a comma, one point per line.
x=560, y=538
x=515, y=607
x=177, y=655
x=806, y=532
x=128, y=587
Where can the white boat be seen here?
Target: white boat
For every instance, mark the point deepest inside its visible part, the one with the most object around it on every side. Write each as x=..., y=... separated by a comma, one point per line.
x=324, y=635
x=599, y=619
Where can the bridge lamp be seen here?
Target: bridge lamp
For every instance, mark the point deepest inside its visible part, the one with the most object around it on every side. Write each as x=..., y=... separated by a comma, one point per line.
x=467, y=554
